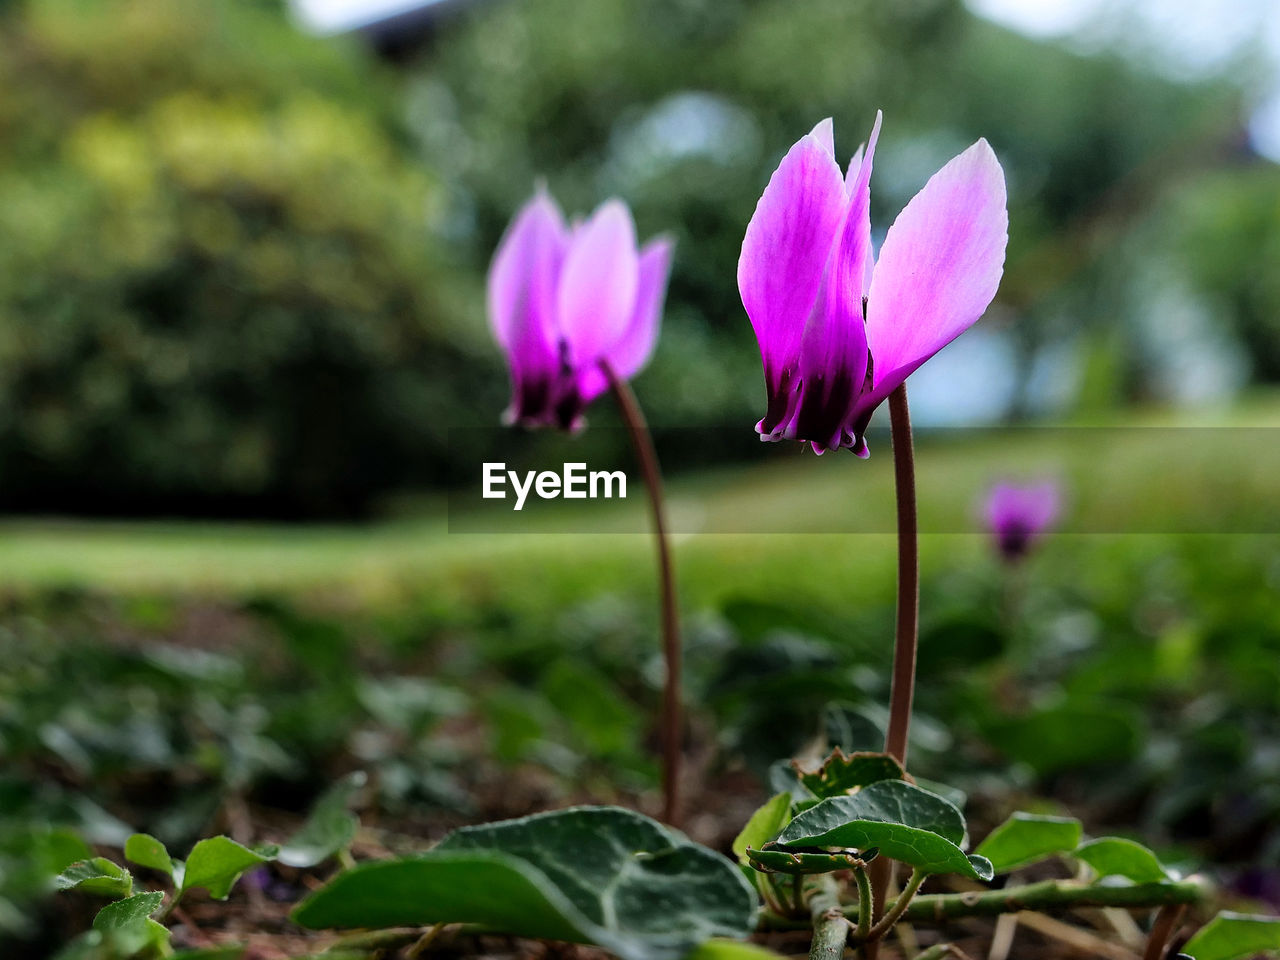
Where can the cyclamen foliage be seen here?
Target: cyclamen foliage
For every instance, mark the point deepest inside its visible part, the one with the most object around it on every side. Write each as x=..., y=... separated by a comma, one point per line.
x=564, y=299
x=838, y=330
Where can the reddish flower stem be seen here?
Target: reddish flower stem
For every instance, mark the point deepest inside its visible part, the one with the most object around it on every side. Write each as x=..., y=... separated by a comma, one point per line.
x=642, y=442
x=906, y=632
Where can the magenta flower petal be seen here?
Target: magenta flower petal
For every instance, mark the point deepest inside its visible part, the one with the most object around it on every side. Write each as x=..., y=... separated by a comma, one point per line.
x=1017, y=515
x=855, y=162
x=824, y=132
x=598, y=283
x=839, y=331
x=785, y=252
x=523, y=280
x=833, y=353
x=939, y=266
x=632, y=350
x=561, y=300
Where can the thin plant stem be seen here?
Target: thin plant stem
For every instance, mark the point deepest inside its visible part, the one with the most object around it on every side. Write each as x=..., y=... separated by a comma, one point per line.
x=864, y=902
x=885, y=924
x=423, y=944
x=1045, y=896
x=906, y=632
x=1049, y=895
x=642, y=442
x=1162, y=930
x=830, y=926
x=906, y=627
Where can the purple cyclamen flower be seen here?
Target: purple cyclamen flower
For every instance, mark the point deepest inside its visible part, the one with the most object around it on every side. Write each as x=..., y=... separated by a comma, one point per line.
x=838, y=331
x=562, y=299
x=1017, y=515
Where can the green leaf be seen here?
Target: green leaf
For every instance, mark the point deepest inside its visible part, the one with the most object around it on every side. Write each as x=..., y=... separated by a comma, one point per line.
x=599, y=875
x=129, y=912
x=1070, y=737
x=776, y=859
x=216, y=864
x=1115, y=856
x=1231, y=935
x=905, y=822
x=763, y=826
x=731, y=950
x=99, y=876
x=220, y=953
x=146, y=851
x=602, y=717
x=1027, y=838
x=328, y=829
x=843, y=772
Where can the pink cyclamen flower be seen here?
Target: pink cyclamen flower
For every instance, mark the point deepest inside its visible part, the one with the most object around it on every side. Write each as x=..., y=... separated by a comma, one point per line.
x=839, y=331
x=1017, y=515
x=563, y=299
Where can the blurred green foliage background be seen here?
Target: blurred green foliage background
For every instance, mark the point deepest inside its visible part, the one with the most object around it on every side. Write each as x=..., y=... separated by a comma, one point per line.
x=242, y=266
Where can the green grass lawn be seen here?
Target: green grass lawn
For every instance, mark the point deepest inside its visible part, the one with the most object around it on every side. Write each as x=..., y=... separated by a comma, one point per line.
x=1151, y=478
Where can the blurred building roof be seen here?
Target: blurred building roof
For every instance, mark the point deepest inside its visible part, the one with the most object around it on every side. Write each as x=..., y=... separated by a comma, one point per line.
x=383, y=19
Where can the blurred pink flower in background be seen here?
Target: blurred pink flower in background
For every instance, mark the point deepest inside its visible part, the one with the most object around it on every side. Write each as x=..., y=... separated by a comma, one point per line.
x=565, y=298
x=1018, y=514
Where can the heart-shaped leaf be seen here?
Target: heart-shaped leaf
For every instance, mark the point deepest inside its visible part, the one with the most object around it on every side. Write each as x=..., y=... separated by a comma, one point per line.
x=216, y=864
x=98, y=876
x=146, y=851
x=131, y=911
x=905, y=822
x=600, y=875
x=328, y=829
x=843, y=772
x=1229, y=936
x=1115, y=856
x=764, y=825
x=1028, y=838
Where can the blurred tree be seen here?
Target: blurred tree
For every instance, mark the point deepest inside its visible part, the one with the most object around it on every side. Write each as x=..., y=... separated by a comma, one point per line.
x=685, y=106
x=220, y=288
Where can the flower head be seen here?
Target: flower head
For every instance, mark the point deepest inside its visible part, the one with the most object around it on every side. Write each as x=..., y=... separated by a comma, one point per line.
x=838, y=330
x=563, y=299
x=1017, y=515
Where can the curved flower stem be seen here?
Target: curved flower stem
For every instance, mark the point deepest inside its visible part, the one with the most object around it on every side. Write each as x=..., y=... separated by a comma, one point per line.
x=905, y=636
x=642, y=442
x=1167, y=920
x=906, y=631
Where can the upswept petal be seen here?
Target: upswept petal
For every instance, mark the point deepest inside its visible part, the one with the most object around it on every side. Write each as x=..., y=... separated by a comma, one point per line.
x=825, y=133
x=598, y=283
x=833, y=354
x=855, y=163
x=785, y=250
x=629, y=355
x=939, y=266
x=523, y=278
